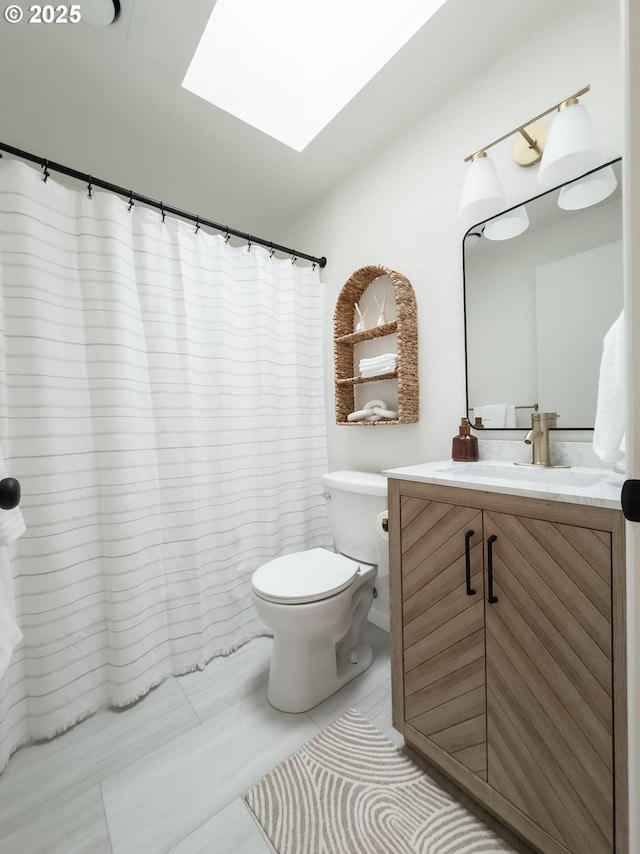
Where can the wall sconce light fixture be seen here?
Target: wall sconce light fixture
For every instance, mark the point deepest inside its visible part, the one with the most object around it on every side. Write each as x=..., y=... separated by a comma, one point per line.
x=507, y=225
x=565, y=149
x=482, y=193
x=587, y=191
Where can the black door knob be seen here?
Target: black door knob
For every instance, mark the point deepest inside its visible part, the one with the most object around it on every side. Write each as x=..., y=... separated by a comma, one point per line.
x=9, y=493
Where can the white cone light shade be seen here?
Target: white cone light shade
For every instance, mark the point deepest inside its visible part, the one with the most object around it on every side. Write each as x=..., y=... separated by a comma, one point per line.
x=571, y=147
x=482, y=195
x=588, y=191
x=509, y=225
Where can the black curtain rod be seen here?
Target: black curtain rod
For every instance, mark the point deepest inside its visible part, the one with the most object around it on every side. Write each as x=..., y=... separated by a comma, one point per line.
x=49, y=165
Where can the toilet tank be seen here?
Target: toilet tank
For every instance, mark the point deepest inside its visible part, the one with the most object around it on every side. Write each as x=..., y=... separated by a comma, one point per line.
x=354, y=500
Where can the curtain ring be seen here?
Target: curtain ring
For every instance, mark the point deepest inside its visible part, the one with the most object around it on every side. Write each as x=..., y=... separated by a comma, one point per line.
x=89, y=188
x=293, y=260
x=249, y=244
x=45, y=166
x=272, y=250
x=197, y=224
x=130, y=200
x=313, y=266
x=227, y=236
x=162, y=210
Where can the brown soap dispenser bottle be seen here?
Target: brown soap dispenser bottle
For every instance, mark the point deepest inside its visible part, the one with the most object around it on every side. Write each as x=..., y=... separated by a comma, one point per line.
x=465, y=446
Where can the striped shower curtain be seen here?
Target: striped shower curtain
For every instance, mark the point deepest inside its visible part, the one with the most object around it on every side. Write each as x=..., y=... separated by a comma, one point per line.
x=161, y=403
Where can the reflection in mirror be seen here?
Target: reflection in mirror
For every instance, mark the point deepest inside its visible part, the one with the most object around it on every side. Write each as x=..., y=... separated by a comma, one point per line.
x=538, y=305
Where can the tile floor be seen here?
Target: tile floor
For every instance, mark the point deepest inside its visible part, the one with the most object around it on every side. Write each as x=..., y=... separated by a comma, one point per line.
x=167, y=774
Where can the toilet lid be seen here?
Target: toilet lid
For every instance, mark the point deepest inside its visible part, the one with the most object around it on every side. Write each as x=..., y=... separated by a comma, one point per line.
x=304, y=576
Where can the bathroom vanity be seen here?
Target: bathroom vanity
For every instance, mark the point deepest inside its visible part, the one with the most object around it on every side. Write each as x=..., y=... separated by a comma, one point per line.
x=507, y=589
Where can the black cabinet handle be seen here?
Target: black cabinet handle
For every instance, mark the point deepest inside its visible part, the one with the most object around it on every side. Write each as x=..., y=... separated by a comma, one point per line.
x=9, y=493
x=467, y=560
x=491, y=540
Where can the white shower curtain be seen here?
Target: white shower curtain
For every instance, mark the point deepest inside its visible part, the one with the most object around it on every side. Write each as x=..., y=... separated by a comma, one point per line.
x=161, y=403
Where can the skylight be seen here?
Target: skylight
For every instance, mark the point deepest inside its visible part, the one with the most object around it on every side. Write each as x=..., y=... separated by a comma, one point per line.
x=288, y=67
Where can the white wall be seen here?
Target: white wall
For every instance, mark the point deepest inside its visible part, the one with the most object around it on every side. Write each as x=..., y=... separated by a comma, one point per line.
x=400, y=210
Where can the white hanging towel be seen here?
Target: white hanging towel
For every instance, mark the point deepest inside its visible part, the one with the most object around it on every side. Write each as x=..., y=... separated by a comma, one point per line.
x=11, y=527
x=608, y=432
x=496, y=415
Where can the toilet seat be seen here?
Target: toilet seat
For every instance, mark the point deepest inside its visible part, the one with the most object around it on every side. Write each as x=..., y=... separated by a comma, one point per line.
x=304, y=577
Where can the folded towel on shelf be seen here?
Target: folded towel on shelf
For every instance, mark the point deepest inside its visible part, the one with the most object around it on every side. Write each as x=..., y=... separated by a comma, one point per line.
x=386, y=369
x=377, y=361
x=370, y=366
x=381, y=358
x=388, y=365
x=11, y=527
x=496, y=415
x=378, y=372
x=608, y=432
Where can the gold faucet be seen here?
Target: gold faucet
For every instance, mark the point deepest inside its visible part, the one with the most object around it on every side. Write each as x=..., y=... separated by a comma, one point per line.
x=538, y=438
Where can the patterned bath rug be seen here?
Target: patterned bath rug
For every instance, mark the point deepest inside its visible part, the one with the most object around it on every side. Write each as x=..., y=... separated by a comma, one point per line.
x=349, y=790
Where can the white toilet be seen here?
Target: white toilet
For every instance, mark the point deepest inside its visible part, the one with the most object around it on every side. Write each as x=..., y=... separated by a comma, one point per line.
x=316, y=602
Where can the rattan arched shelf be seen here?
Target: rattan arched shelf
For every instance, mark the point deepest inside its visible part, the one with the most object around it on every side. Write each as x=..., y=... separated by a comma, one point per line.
x=345, y=340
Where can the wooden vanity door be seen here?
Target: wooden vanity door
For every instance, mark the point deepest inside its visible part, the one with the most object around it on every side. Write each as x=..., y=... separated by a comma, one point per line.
x=443, y=628
x=549, y=677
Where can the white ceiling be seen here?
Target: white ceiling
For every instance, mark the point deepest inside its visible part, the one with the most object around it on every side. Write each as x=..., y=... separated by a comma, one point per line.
x=109, y=102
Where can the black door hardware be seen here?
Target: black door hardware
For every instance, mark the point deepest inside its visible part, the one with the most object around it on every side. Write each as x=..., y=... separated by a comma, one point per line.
x=491, y=540
x=9, y=493
x=630, y=498
x=467, y=560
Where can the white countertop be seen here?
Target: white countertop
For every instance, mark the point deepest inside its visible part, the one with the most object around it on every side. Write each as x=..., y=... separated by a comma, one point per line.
x=598, y=487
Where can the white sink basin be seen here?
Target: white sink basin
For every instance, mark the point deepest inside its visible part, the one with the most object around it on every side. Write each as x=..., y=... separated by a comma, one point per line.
x=527, y=474
x=579, y=485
